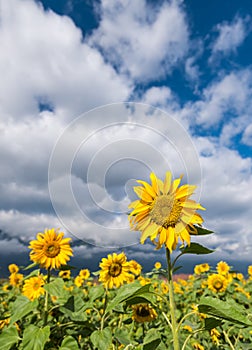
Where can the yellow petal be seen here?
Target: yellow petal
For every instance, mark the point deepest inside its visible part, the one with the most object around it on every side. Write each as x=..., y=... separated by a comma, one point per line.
x=148, y=188
x=167, y=182
x=154, y=182
x=175, y=184
x=170, y=238
x=150, y=230
x=184, y=235
x=143, y=194
x=185, y=191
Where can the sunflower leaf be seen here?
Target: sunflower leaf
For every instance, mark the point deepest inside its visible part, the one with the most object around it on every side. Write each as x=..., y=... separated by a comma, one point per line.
x=196, y=248
x=21, y=307
x=201, y=231
x=55, y=288
x=101, y=339
x=69, y=343
x=8, y=337
x=35, y=338
x=212, y=322
x=226, y=310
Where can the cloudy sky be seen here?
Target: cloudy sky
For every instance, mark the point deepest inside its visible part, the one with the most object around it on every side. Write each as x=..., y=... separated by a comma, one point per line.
x=96, y=94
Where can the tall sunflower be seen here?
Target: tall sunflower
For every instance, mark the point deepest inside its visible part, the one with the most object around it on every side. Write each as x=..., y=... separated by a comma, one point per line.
x=115, y=270
x=33, y=287
x=50, y=250
x=164, y=211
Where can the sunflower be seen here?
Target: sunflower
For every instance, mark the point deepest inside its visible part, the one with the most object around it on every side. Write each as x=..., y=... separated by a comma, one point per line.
x=158, y=265
x=84, y=274
x=164, y=211
x=65, y=274
x=115, y=270
x=33, y=287
x=50, y=250
x=16, y=279
x=13, y=268
x=250, y=270
x=199, y=269
x=143, y=313
x=217, y=283
x=135, y=267
x=222, y=268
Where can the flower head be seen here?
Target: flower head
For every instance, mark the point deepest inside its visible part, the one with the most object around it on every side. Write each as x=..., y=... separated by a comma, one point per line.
x=222, y=268
x=143, y=313
x=217, y=283
x=33, y=287
x=66, y=274
x=84, y=274
x=115, y=270
x=135, y=267
x=158, y=265
x=164, y=211
x=16, y=279
x=199, y=269
x=50, y=250
x=13, y=268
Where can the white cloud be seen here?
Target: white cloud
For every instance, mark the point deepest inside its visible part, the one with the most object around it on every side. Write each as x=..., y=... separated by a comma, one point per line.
x=230, y=36
x=152, y=39
x=43, y=56
x=247, y=135
x=229, y=95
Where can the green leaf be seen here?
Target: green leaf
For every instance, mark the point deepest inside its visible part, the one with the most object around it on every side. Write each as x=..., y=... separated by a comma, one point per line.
x=30, y=266
x=123, y=336
x=8, y=338
x=69, y=343
x=75, y=303
x=196, y=248
x=102, y=339
x=201, y=231
x=212, y=322
x=34, y=273
x=35, y=338
x=21, y=307
x=96, y=292
x=55, y=288
x=151, y=340
x=145, y=298
x=227, y=310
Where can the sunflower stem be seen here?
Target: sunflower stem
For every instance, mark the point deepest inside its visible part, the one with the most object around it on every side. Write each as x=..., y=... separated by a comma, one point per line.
x=104, y=309
x=172, y=303
x=46, y=298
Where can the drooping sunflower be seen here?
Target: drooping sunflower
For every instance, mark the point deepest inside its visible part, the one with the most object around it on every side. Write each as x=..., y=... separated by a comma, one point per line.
x=143, y=313
x=115, y=270
x=50, y=250
x=164, y=211
x=33, y=287
x=217, y=283
x=16, y=279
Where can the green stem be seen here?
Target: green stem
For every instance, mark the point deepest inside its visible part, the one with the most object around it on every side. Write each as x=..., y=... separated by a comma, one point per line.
x=104, y=309
x=228, y=340
x=46, y=298
x=172, y=302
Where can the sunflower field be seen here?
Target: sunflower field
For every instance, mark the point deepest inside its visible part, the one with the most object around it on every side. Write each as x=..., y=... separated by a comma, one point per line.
x=45, y=306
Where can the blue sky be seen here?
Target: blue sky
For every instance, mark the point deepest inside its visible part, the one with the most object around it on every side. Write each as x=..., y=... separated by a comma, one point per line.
x=64, y=59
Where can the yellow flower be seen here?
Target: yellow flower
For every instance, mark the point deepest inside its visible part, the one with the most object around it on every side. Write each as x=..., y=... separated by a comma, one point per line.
x=164, y=287
x=215, y=335
x=250, y=270
x=50, y=250
x=84, y=274
x=78, y=281
x=33, y=287
x=197, y=346
x=65, y=274
x=217, y=283
x=188, y=328
x=164, y=212
x=158, y=265
x=222, y=268
x=135, y=267
x=114, y=270
x=143, y=281
x=4, y=323
x=13, y=268
x=143, y=313
x=16, y=279
x=199, y=269
x=6, y=287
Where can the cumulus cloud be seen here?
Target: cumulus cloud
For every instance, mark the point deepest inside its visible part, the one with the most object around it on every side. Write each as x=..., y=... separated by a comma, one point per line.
x=230, y=36
x=44, y=58
x=153, y=39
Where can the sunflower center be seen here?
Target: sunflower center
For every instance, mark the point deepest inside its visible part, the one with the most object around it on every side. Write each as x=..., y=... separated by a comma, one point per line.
x=52, y=250
x=36, y=286
x=218, y=285
x=143, y=311
x=166, y=211
x=115, y=269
